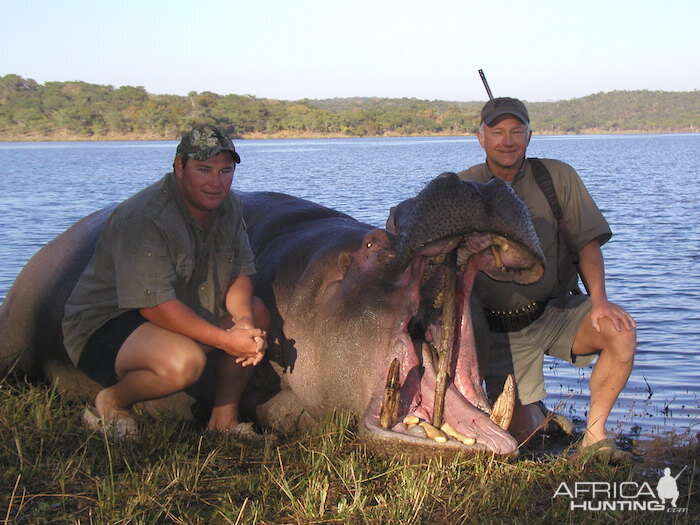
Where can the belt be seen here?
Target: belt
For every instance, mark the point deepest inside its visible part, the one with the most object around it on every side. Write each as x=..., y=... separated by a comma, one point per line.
x=515, y=320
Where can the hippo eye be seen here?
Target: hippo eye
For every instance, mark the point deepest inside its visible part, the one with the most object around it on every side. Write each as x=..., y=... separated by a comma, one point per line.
x=369, y=244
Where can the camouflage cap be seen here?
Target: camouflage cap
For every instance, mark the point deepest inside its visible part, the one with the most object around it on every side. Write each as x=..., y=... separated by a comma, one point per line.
x=496, y=107
x=204, y=141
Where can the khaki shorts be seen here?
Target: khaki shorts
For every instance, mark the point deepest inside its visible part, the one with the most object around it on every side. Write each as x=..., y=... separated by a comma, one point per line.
x=522, y=353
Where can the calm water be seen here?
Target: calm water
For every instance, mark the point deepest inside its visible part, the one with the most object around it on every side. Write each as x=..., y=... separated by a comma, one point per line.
x=646, y=185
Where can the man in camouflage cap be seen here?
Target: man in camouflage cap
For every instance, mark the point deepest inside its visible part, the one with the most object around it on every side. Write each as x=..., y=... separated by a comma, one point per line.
x=205, y=141
x=168, y=284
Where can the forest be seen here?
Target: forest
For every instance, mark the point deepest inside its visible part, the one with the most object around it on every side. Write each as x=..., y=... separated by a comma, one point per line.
x=79, y=110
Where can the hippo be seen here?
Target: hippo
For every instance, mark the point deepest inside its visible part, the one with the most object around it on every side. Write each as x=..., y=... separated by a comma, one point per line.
x=349, y=303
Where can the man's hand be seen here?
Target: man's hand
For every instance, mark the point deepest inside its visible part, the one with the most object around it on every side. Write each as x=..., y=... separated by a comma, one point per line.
x=602, y=309
x=247, y=361
x=248, y=345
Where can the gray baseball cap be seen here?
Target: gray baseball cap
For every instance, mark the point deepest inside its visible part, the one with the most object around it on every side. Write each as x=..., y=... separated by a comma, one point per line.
x=496, y=107
x=204, y=141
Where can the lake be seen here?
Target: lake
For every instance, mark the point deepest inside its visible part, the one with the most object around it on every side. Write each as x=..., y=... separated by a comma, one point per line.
x=646, y=185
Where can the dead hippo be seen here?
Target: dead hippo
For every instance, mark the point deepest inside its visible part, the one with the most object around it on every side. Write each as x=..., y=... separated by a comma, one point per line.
x=347, y=301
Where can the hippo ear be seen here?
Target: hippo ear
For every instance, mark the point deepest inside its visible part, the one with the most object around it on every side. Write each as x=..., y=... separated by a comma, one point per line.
x=344, y=262
x=334, y=278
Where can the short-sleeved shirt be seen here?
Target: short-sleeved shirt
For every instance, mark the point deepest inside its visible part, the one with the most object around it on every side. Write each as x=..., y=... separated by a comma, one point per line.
x=151, y=251
x=582, y=218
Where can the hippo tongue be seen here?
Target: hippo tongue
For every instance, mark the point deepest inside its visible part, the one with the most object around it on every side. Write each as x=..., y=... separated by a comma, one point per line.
x=465, y=364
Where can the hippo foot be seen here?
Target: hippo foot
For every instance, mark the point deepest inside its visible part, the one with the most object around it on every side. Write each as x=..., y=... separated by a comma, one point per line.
x=284, y=414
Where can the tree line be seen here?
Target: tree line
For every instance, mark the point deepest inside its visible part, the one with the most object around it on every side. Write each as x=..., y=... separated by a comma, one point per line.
x=55, y=110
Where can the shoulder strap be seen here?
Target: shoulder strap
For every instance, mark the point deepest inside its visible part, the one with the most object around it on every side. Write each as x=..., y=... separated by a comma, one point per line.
x=544, y=180
x=546, y=184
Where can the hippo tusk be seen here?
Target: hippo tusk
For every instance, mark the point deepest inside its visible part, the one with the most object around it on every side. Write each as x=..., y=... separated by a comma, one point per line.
x=446, y=338
x=503, y=408
x=389, y=413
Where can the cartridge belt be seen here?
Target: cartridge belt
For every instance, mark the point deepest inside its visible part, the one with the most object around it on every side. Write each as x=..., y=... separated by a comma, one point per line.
x=514, y=320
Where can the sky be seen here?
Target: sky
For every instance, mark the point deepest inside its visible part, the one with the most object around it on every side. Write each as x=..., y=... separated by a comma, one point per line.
x=289, y=50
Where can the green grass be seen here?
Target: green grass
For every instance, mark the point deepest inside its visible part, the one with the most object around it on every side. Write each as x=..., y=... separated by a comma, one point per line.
x=52, y=470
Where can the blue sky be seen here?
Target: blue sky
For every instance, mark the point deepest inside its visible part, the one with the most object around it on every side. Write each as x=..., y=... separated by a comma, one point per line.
x=538, y=50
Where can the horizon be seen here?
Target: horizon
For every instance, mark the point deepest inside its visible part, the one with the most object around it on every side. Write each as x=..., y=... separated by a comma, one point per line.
x=395, y=49
x=350, y=97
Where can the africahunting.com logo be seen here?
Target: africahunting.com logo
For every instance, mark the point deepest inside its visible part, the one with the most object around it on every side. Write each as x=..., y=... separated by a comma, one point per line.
x=624, y=495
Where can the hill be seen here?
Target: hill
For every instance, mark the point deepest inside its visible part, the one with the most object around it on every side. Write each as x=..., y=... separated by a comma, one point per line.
x=82, y=111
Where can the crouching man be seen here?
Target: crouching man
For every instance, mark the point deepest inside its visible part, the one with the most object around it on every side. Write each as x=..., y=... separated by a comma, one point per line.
x=169, y=282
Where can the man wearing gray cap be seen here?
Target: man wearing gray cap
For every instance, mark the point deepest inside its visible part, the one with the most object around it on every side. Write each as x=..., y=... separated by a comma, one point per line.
x=528, y=321
x=168, y=283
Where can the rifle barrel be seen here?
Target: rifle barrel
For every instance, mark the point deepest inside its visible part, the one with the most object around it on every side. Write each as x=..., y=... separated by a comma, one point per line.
x=486, y=84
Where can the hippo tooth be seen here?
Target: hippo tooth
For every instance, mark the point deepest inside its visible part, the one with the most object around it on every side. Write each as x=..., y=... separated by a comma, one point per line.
x=501, y=242
x=503, y=408
x=437, y=303
x=389, y=413
x=447, y=429
x=433, y=433
x=411, y=421
x=497, y=257
x=446, y=338
x=417, y=431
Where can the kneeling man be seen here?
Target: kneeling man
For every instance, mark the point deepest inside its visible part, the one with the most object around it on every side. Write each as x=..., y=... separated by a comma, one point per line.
x=528, y=321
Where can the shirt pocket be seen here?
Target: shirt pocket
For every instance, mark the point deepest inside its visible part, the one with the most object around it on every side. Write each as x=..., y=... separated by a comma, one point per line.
x=144, y=276
x=152, y=261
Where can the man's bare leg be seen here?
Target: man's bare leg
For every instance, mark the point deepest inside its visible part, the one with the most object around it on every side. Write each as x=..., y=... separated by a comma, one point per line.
x=232, y=378
x=610, y=373
x=152, y=363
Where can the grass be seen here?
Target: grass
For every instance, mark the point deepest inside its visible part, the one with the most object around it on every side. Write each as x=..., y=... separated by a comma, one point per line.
x=52, y=470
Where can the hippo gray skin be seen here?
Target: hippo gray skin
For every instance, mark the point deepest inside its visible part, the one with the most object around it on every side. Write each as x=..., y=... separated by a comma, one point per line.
x=346, y=300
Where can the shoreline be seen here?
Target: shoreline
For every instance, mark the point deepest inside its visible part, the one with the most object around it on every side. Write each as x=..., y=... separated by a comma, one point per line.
x=115, y=137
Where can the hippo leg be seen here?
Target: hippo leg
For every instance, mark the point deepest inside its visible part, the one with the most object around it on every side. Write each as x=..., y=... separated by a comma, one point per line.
x=285, y=414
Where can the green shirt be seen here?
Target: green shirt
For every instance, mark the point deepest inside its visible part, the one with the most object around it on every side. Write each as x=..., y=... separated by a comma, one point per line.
x=151, y=251
x=583, y=219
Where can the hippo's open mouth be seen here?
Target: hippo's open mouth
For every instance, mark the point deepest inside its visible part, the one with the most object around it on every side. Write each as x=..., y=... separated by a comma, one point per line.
x=434, y=351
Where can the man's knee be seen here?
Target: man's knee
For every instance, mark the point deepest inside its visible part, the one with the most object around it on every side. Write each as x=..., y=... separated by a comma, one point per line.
x=183, y=367
x=622, y=343
x=175, y=358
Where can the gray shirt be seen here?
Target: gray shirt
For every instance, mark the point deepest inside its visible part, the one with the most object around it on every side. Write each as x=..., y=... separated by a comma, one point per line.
x=151, y=251
x=583, y=219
